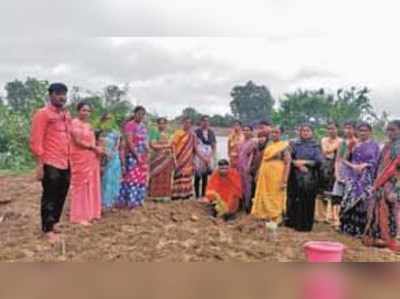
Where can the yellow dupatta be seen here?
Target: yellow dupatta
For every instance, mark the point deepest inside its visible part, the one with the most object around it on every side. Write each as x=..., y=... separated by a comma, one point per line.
x=274, y=149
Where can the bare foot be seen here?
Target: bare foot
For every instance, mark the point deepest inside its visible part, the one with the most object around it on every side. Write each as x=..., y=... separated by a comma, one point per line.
x=52, y=237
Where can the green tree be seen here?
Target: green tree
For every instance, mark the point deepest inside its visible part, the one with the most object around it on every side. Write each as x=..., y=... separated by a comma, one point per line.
x=380, y=124
x=251, y=102
x=319, y=107
x=352, y=104
x=113, y=94
x=192, y=113
x=14, y=140
x=26, y=96
x=304, y=106
x=112, y=99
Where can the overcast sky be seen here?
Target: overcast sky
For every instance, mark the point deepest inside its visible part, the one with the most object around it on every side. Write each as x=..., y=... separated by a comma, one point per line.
x=194, y=52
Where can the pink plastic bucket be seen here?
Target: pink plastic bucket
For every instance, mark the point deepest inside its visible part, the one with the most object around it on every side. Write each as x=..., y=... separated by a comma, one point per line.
x=324, y=252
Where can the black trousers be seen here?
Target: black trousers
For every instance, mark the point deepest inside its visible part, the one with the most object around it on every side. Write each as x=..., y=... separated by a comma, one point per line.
x=200, y=185
x=55, y=185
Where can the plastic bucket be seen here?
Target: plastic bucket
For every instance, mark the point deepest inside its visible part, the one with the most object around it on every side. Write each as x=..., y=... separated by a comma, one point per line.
x=324, y=252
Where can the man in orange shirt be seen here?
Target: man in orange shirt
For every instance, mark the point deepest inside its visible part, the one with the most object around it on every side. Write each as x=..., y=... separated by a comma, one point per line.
x=50, y=144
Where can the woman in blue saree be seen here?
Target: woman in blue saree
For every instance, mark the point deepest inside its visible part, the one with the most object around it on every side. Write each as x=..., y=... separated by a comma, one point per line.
x=109, y=137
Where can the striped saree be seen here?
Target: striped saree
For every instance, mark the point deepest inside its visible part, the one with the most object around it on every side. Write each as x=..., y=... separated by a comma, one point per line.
x=161, y=167
x=184, y=148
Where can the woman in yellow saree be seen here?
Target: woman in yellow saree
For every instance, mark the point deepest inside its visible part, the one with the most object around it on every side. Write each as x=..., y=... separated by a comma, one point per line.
x=269, y=200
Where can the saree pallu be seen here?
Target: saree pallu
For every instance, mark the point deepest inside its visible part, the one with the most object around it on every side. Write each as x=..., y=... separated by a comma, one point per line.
x=383, y=204
x=133, y=188
x=234, y=141
x=184, y=148
x=111, y=174
x=246, y=152
x=225, y=192
x=161, y=169
x=270, y=197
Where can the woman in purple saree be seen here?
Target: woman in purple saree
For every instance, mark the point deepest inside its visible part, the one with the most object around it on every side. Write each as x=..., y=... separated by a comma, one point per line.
x=361, y=171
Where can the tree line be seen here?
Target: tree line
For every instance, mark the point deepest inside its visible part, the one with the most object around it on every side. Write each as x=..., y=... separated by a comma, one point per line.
x=249, y=103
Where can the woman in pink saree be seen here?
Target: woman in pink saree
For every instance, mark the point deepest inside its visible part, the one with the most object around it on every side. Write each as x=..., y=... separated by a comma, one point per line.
x=85, y=170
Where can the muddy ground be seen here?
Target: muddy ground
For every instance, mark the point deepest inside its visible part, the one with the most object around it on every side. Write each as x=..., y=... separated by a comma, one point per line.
x=179, y=231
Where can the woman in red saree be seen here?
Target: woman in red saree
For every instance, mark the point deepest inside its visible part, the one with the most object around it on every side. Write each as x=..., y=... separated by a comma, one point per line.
x=381, y=229
x=162, y=162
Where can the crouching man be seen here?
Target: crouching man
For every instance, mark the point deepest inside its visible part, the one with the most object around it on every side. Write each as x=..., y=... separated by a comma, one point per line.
x=224, y=192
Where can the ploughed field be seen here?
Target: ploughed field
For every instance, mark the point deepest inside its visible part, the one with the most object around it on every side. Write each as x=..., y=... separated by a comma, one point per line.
x=176, y=231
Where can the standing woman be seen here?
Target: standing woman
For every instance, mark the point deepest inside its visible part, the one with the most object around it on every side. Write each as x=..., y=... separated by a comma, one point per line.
x=184, y=146
x=206, y=147
x=272, y=180
x=381, y=227
x=342, y=171
x=135, y=164
x=330, y=145
x=234, y=140
x=304, y=180
x=111, y=166
x=162, y=162
x=85, y=169
x=246, y=153
x=361, y=174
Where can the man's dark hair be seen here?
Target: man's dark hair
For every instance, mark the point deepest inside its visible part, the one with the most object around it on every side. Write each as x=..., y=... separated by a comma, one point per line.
x=57, y=88
x=223, y=162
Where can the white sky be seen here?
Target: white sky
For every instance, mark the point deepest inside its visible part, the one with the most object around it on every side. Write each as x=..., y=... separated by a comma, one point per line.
x=192, y=53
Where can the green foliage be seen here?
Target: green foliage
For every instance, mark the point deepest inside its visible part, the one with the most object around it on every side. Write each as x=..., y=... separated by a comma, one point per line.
x=216, y=120
x=26, y=96
x=251, y=102
x=304, y=106
x=14, y=140
x=112, y=100
x=319, y=107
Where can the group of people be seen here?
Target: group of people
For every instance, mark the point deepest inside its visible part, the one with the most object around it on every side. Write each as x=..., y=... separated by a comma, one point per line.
x=349, y=182
x=106, y=167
